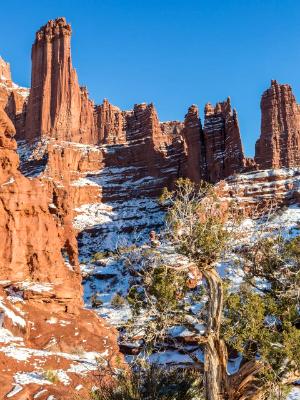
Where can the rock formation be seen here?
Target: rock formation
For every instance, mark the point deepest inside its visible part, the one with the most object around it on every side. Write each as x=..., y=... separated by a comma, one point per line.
x=40, y=279
x=110, y=124
x=57, y=106
x=25, y=206
x=196, y=168
x=279, y=143
x=268, y=189
x=100, y=169
x=5, y=75
x=13, y=98
x=223, y=146
x=58, y=109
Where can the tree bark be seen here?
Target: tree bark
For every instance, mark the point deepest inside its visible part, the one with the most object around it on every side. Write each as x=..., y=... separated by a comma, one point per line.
x=215, y=352
x=218, y=385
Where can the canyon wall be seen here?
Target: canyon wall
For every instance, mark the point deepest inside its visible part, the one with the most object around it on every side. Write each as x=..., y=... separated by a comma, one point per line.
x=59, y=109
x=97, y=168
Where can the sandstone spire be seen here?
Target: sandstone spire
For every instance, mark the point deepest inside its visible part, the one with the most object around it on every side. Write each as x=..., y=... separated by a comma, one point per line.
x=279, y=142
x=5, y=74
x=57, y=106
x=194, y=145
x=223, y=146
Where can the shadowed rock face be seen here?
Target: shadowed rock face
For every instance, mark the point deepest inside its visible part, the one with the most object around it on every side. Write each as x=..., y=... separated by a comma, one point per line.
x=222, y=141
x=279, y=143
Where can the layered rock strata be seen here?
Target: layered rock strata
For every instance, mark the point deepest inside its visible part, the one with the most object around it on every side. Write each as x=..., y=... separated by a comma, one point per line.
x=260, y=190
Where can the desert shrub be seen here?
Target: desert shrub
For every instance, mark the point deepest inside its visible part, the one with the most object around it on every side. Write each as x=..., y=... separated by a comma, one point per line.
x=95, y=301
x=51, y=375
x=261, y=320
x=99, y=256
x=152, y=383
x=117, y=301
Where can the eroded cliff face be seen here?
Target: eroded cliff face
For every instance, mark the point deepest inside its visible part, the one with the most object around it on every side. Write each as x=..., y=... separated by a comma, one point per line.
x=40, y=282
x=110, y=124
x=32, y=238
x=261, y=191
x=59, y=110
x=279, y=142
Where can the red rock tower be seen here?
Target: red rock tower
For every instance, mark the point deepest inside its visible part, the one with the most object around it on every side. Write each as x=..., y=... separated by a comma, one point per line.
x=194, y=145
x=57, y=106
x=223, y=146
x=279, y=142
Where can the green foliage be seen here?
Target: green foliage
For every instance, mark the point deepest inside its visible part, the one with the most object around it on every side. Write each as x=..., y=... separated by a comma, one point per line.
x=152, y=383
x=136, y=298
x=99, y=256
x=167, y=286
x=95, y=301
x=51, y=376
x=118, y=301
x=196, y=222
x=263, y=319
x=162, y=287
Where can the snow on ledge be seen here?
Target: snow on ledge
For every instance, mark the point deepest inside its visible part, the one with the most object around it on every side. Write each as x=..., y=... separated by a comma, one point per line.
x=16, y=319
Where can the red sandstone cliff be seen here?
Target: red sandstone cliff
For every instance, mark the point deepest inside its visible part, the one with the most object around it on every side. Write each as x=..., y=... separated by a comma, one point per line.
x=40, y=279
x=5, y=75
x=24, y=209
x=59, y=109
x=279, y=143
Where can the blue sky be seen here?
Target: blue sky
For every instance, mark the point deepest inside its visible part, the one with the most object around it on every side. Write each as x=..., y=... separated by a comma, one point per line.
x=173, y=53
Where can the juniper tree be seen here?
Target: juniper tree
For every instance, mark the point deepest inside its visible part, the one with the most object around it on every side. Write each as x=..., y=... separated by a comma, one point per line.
x=261, y=322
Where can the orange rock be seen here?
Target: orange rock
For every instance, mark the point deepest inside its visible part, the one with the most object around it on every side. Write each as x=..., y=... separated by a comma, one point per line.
x=57, y=106
x=279, y=143
x=40, y=282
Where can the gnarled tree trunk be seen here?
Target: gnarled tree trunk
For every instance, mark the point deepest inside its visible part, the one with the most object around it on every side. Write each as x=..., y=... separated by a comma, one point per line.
x=215, y=352
x=243, y=385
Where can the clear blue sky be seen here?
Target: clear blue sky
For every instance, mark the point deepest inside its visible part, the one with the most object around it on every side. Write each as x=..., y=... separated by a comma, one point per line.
x=173, y=53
